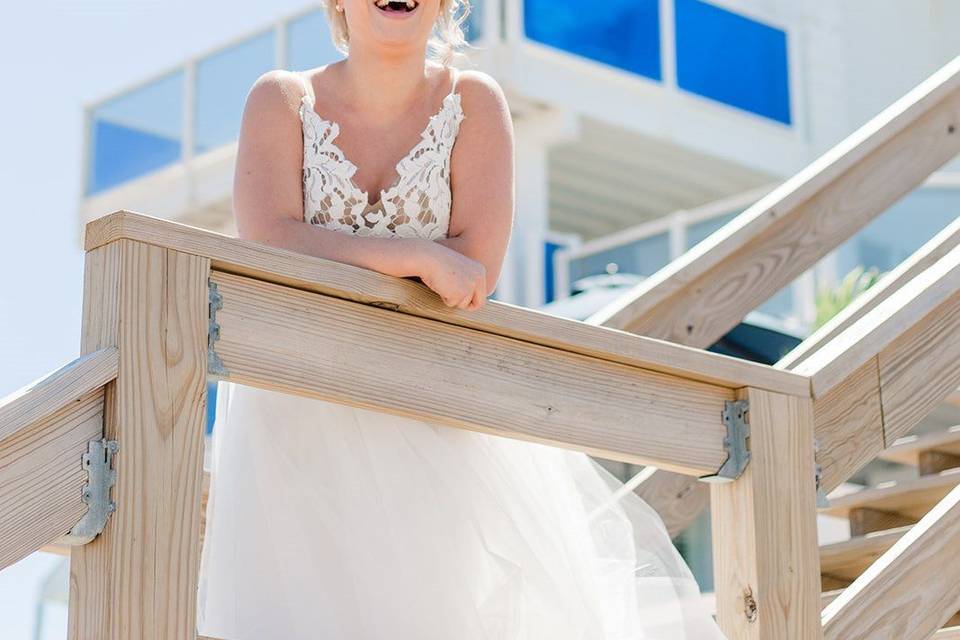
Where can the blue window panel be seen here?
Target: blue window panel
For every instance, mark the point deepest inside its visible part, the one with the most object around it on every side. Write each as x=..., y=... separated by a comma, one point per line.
x=223, y=82
x=643, y=257
x=732, y=59
x=309, y=43
x=211, y=404
x=621, y=33
x=549, y=249
x=135, y=133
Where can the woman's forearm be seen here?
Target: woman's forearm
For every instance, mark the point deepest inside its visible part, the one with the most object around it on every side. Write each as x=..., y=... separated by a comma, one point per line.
x=400, y=257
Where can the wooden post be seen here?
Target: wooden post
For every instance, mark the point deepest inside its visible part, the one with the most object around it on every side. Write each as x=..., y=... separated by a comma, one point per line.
x=138, y=579
x=766, y=562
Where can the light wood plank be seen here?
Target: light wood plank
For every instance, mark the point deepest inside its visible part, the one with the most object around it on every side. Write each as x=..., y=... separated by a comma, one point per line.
x=910, y=498
x=843, y=562
x=41, y=475
x=907, y=449
x=697, y=298
x=911, y=590
x=44, y=397
x=883, y=328
x=138, y=579
x=270, y=264
x=951, y=633
x=300, y=342
x=765, y=546
x=921, y=259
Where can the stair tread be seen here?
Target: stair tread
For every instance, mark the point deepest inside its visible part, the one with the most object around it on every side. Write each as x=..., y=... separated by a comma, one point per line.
x=846, y=560
x=912, y=498
x=907, y=450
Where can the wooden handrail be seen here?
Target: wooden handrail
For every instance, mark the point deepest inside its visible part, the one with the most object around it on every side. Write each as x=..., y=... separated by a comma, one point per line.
x=911, y=590
x=890, y=283
x=44, y=431
x=299, y=271
x=697, y=298
x=703, y=294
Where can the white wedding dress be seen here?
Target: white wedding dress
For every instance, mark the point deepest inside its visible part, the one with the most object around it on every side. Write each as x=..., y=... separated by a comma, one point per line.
x=332, y=522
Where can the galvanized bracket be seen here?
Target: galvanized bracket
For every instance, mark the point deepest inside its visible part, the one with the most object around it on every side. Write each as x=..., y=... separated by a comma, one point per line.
x=822, y=500
x=96, y=492
x=735, y=416
x=215, y=366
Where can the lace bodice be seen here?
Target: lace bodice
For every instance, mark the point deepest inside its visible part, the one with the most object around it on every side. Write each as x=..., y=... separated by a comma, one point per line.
x=416, y=205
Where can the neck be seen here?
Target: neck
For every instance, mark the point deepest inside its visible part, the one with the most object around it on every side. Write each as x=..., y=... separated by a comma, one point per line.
x=384, y=84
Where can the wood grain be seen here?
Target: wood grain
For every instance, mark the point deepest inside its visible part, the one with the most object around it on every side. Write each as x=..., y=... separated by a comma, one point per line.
x=911, y=590
x=270, y=264
x=138, y=579
x=41, y=475
x=299, y=342
x=843, y=562
x=764, y=528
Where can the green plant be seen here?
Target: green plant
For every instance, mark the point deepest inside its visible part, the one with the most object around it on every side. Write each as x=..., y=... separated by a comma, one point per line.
x=831, y=300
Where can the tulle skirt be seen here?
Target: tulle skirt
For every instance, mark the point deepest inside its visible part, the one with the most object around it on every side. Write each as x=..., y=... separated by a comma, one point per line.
x=332, y=522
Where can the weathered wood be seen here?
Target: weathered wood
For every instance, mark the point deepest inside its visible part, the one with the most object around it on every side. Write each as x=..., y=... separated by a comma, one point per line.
x=842, y=562
x=911, y=590
x=138, y=579
x=882, y=329
x=41, y=476
x=764, y=528
x=864, y=520
x=44, y=397
x=270, y=264
x=921, y=259
x=678, y=498
x=300, y=342
x=697, y=298
x=931, y=462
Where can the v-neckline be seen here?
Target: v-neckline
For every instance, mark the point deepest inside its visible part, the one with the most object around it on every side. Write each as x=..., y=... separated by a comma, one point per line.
x=335, y=131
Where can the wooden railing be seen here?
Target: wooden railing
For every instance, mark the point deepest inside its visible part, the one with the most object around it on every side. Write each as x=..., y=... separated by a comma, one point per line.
x=697, y=298
x=166, y=305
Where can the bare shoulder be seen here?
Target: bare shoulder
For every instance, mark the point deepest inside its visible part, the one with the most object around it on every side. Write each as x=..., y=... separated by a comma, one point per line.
x=274, y=93
x=483, y=101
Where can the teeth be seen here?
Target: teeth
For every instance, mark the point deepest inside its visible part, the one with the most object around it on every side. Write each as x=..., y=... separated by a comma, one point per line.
x=411, y=4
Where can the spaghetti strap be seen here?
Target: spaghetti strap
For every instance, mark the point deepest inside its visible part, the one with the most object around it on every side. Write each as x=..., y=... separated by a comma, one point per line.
x=307, y=93
x=456, y=76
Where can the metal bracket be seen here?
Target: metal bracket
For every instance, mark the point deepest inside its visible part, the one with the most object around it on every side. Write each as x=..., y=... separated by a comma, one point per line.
x=735, y=417
x=215, y=366
x=822, y=500
x=96, y=492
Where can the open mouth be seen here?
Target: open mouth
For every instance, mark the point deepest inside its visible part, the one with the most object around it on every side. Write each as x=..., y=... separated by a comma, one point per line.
x=397, y=6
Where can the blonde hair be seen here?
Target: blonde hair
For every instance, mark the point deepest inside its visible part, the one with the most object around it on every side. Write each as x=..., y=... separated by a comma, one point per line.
x=447, y=39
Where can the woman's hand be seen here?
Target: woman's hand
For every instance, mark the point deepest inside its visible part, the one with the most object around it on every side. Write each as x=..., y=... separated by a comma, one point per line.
x=460, y=281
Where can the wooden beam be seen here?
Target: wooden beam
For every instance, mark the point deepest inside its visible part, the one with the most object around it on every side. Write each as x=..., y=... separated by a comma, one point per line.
x=843, y=562
x=767, y=567
x=270, y=264
x=138, y=579
x=42, y=398
x=300, y=342
x=911, y=590
x=907, y=449
x=882, y=327
x=697, y=298
x=920, y=260
x=41, y=476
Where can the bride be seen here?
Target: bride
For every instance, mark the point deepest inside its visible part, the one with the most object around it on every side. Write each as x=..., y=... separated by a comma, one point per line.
x=332, y=522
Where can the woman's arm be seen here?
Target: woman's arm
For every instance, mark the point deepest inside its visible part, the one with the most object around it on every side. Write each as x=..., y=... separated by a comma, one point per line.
x=482, y=176
x=268, y=189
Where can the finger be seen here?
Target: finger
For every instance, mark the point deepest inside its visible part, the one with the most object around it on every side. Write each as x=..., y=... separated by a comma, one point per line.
x=464, y=301
x=478, y=299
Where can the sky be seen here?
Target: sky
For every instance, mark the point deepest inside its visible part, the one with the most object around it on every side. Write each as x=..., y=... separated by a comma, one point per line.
x=58, y=56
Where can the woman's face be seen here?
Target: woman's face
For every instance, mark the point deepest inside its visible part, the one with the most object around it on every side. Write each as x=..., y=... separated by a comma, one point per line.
x=394, y=24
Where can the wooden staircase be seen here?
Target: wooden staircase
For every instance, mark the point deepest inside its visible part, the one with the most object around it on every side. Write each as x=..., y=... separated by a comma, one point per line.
x=881, y=515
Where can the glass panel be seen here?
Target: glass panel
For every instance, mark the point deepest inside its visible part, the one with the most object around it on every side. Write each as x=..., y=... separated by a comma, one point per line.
x=643, y=257
x=732, y=59
x=308, y=42
x=136, y=133
x=223, y=82
x=621, y=33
